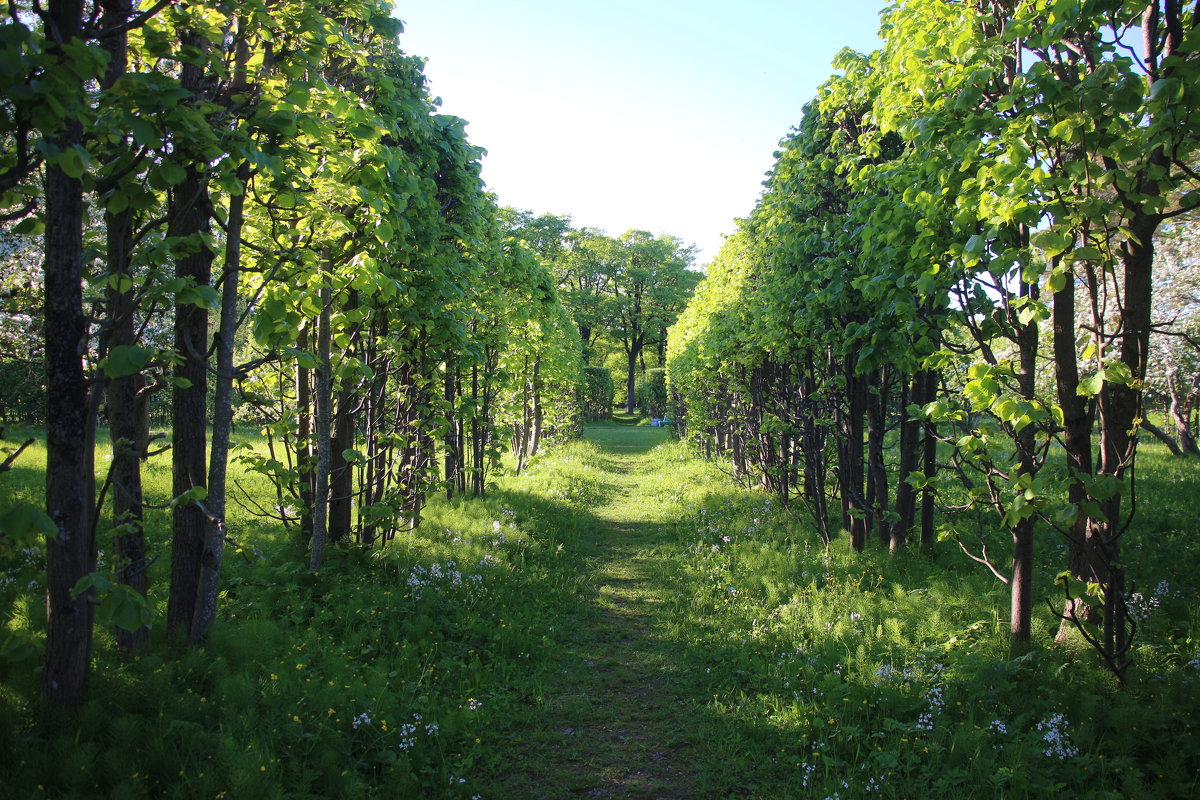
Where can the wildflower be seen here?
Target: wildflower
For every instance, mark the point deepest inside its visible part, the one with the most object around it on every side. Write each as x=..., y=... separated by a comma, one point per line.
x=1054, y=735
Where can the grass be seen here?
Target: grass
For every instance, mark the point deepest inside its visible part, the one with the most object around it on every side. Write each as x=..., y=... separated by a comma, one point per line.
x=620, y=622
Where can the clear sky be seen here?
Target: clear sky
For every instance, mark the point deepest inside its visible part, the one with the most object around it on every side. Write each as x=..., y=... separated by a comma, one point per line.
x=661, y=115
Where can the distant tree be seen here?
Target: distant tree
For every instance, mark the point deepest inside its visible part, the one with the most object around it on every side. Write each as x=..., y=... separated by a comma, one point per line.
x=650, y=287
x=1173, y=374
x=585, y=274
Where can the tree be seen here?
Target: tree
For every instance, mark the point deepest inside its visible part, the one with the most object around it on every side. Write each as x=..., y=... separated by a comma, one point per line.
x=650, y=286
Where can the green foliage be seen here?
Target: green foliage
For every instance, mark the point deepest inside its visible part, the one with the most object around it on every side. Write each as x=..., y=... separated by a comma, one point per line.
x=652, y=393
x=597, y=393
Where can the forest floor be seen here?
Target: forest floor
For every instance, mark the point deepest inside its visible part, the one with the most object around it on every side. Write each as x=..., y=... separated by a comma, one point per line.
x=614, y=723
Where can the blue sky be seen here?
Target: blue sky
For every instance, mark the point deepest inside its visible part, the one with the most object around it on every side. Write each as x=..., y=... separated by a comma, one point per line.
x=661, y=115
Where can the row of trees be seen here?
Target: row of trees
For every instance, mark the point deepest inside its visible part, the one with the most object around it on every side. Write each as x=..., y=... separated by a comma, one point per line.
x=945, y=294
x=255, y=208
x=623, y=293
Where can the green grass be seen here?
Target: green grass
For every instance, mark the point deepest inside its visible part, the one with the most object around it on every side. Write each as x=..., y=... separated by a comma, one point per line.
x=620, y=621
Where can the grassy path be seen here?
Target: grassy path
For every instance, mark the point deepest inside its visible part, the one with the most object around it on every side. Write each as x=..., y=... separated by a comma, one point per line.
x=614, y=724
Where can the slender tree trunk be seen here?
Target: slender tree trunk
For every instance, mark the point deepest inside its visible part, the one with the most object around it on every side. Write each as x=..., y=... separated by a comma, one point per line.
x=69, y=554
x=452, y=462
x=189, y=217
x=304, y=439
x=877, y=488
x=910, y=452
x=929, y=465
x=537, y=408
x=341, y=475
x=124, y=426
x=1021, y=581
x=322, y=433
x=477, y=445
x=851, y=471
x=209, y=586
x=521, y=445
x=1077, y=441
x=1180, y=412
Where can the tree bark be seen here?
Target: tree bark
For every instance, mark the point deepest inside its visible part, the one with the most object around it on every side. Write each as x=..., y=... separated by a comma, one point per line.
x=877, y=488
x=929, y=465
x=1021, y=581
x=69, y=554
x=189, y=215
x=635, y=350
x=209, y=584
x=1180, y=412
x=124, y=423
x=322, y=434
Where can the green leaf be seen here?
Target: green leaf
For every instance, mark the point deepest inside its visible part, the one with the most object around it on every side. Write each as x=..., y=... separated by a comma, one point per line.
x=127, y=360
x=144, y=133
x=1057, y=281
x=192, y=495
x=171, y=174
x=199, y=296
x=1118, y=372
x=1090, y=387
x=30, y=226
x=117, y=202
x=305, y=359
x=23, y=522
x=73, y=161
x=17, y=648
x=1050, y=242
x=1169, y=89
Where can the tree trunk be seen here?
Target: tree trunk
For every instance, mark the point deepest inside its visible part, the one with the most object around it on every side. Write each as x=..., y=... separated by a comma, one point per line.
x=1162, y=436
x=304, y=439
x=929, y=465
x=322, y=433
x=630, y=397
x=910, y=451
x=341, y=475
x=537, y=408
x=189, y=215
x=453, y=459
x=1180, y=413
x=69, y=554
x=209, y=585
x=124, y=424
x=877, y=488
x=851, y=472
x=1021, y=581
x=1077, y=441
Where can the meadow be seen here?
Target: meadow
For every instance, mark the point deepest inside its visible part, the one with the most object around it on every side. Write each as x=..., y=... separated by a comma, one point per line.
x=619, y=621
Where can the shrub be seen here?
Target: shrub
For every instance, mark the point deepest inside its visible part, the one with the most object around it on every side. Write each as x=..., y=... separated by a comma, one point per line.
x=652, y=393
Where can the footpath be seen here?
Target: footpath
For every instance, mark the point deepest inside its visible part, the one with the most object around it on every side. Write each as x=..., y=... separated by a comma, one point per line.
x=612, y=724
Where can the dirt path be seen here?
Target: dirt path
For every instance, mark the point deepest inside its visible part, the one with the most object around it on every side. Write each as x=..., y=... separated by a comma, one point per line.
x=613, y=725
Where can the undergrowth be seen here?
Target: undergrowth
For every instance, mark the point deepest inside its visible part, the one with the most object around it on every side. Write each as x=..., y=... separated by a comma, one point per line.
x=807, y=672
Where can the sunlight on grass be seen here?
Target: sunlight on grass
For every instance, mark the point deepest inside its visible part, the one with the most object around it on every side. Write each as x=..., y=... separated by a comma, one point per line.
x=620, y=619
